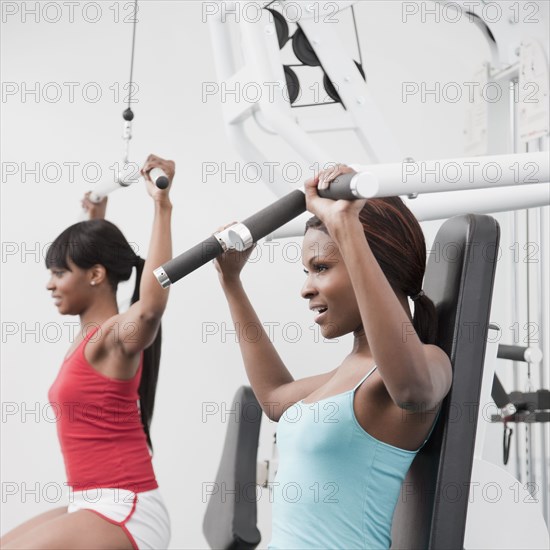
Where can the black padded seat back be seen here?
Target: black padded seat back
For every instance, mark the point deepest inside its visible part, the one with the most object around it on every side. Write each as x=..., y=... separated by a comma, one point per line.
x=431, y=511
x=230, y=518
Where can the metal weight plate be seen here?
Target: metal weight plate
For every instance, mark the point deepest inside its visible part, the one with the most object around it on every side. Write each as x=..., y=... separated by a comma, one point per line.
x=292, y=84
x=281, y=26
x=303, y=50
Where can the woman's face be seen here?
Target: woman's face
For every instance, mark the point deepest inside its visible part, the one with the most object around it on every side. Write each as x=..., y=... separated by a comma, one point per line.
x=328, y=286
x=70, y=288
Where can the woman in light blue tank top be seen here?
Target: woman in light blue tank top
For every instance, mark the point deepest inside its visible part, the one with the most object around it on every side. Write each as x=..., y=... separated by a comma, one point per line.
x=346, y=438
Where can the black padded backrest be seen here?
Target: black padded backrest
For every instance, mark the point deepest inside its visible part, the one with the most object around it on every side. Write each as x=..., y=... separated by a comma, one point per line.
x=431, y=511
x=230, y=518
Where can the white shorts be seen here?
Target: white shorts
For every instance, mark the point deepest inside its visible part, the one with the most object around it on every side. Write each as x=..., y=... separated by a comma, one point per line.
x=142, y=516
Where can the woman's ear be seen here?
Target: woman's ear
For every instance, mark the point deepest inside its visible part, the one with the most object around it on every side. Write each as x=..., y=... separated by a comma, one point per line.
x=97, y=274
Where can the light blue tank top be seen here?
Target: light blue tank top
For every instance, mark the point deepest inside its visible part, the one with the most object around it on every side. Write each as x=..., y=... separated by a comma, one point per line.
x=336, y=485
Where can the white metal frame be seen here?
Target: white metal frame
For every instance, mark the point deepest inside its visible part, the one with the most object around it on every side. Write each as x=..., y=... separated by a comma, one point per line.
x=272, y=112
x=514, y=42
x=263, y=65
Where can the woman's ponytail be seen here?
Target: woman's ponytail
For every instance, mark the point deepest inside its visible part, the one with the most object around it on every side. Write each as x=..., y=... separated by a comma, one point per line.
x=151, y=363
x=425, y=319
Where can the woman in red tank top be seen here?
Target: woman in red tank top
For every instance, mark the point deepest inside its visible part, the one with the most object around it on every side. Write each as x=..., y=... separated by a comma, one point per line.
x=105, y=390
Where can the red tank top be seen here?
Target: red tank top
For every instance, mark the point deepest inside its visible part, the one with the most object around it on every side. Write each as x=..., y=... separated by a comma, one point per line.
x=99, y=427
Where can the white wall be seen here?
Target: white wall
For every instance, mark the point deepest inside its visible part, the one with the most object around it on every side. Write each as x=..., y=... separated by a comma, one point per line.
x=173, y=60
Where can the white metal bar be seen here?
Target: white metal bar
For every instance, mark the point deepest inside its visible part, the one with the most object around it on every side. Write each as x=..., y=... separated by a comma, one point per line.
x=440, y=206
x=104, y=188
x=223, y=49
x=436, y=176
x=326, y=124
x=506, y=74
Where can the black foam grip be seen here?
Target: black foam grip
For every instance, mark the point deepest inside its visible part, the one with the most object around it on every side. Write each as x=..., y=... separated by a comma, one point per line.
x=162, y=182
x=192, y=259
x=260, y=224
x=339, y=188
x=276, y=215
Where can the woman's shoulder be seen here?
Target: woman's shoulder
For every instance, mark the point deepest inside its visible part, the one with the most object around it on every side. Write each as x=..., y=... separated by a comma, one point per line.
x=437, y=358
